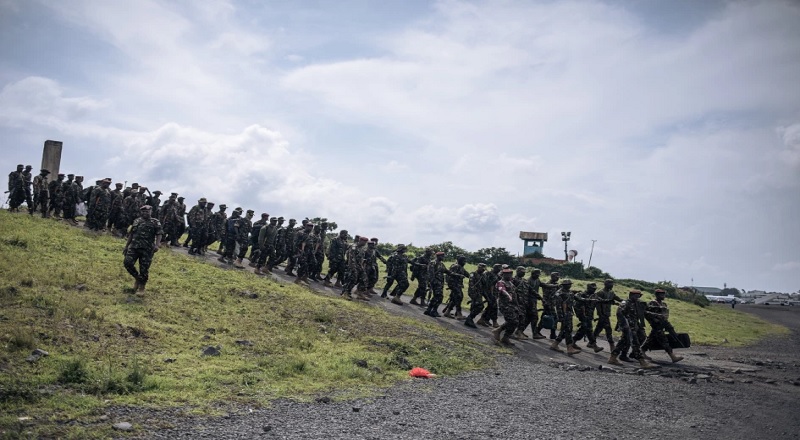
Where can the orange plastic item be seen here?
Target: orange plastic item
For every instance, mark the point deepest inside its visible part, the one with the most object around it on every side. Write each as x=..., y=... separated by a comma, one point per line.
x=421, y=372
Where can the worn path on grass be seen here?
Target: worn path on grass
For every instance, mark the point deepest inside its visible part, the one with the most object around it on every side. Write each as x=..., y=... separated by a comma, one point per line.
x=732, y=393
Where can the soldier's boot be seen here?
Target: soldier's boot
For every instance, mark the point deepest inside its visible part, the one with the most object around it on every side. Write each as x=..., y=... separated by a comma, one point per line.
x=259, y=272
x=494, y=323
x=675, y=358
x=483, y=322
x=290, y=273
x=346, y=296
x=594, y=347
x=576, y=347
x=362, y=295
x=572, y=349
x=496, y=334
x=327, y=282
x=252, y=263
x=414, y=301
x=470, y=323
x=644, y=364
x=522, y=335
x=238, y=263
x=624, y=358
x=538, y=335
x=397, y=300
x=219, y=250
x=554, y=346
x=458, y=315
x=136, y=284
x=385, y=292
x=338, y=283
x=646, y=357
x=614, y=361
x=611, y=345
x=372, y=291
x=507, y=341
x=221, y=259
x=552, y=333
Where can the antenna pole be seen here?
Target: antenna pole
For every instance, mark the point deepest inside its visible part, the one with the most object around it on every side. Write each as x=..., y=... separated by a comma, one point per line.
x=590, y=254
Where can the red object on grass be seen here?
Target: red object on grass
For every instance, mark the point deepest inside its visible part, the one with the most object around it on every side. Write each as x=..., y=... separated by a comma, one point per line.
x=421, y=372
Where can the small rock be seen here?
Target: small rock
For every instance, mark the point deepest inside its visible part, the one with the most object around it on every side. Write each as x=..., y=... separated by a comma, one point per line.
x=584, y=368
x=640, y=372
x=771, y=381
x=206, y=337
x=324, y=399
x=571, y=367
x=747, y=381
x=361, y=363
x=244, y=342
x=211, y=351
x=726, y=380
x=703, y=376
x=721, y=370
x=693, y=381
x=211, y=330
x=796, y=383
x=123, y=426
x=40, y=352
x=103, y=418
x=356, y=409
x=267, y=428
x=169, y=360
x=36, y=355
x=737, y=371
x=396, y=412
x=80, y=287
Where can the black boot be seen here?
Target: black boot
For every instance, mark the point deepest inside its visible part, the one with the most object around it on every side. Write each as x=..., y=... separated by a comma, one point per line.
x=469, y=323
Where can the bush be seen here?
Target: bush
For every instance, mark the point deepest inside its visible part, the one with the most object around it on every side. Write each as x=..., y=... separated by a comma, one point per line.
x=73, y=372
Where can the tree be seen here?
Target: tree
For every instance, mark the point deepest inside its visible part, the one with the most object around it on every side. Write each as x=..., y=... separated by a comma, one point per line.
x=492, y=256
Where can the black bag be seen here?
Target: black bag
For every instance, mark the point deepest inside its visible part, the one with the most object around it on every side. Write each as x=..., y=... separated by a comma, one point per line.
x=679, y=340
x=548, y=322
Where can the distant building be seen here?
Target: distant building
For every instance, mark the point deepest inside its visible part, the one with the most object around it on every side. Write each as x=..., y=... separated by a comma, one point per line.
x=533, y=242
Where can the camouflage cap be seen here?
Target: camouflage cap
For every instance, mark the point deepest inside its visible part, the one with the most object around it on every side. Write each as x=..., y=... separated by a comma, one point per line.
x=522, y=268
x=280, y=218
x=373, y=239
x=181, y=198
x=401, y=246
x=591, y=285
x=507, y=270
x=202, y=200
x=157, y=192
x=555, y=274
x=210, y=205
x=20, y=166
x=68, y=175
x=118, y=185
x=223, y=206
x=537, y=271
x=566, y=282
x=308, y=225
x=264, y=214
x=364, y=239
x=106, y=180
x=608, y=281
x=44, y=171
x=145, y=208
x=28, y=167
x=481, y=264
x=343, y=232
x=134, y=185
x=291, y=220
x=60, y=174
x=173, y=195
x=497, y=266
x=250, y=211
x=273, y=220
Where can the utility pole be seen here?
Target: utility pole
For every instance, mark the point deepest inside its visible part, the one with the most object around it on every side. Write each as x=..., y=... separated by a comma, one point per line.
x=590, y=254
x=565, y=238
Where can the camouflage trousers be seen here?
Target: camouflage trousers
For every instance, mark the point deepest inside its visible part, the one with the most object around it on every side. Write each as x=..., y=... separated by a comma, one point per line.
x=529, y=316
x=455, y=298
x=437, y=288
x=306, y=263
x=475, y=305
x=372, y=275
x=658, y=333
x=356, y=277
x=510, y=315
x=422, y=288
x=547, y=309
x=490, y=313
x=401, y=287
x=41, y=203
x=145, y=257
x=265, y=254
x=629, y=340
x=585, y=329
x=336, y=267
x=604, y=323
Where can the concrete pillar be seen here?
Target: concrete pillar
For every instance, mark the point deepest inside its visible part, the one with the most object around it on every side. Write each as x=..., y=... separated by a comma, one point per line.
x=51, y=158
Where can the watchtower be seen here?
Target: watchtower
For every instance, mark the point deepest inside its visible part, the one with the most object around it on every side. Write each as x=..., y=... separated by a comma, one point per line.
x=533, y=242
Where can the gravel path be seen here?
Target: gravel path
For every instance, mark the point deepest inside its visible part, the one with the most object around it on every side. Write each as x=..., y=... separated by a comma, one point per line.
x=747, y=393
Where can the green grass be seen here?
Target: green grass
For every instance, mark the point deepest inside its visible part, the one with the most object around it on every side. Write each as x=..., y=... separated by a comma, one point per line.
x=65, y=290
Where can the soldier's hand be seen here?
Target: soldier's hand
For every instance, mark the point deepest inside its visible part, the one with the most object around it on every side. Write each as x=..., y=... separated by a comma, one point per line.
x=125, y=250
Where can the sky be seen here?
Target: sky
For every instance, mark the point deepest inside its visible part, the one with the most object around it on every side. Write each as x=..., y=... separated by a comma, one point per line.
x=667, y=133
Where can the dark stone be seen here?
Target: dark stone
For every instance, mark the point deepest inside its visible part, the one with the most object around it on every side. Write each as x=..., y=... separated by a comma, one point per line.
x=267, y=428
x=356, y=409
x=211, y=330
x=244, y=342
x=361, y=363
x=169, y=360
x=323, y=399
x=211, y=351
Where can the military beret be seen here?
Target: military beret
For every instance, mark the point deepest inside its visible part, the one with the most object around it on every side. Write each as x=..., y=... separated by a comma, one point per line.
x=202, y=200
x=566, y=281
x=273, y=220
x=68, y=175
x=118, y=185
x=173, y=195
x=522, y=268
x=263, y=214
x=20, y=166
x=507, y=270
x=145, y=208
x=660, y=291
x=250, y=211
x=44, y=171
x=157, y=192
x=223, y=206
x=440, y=253
x=555, y=274
x=363, y=239
x=373, y=239
x=106, y=180
x=635, y=292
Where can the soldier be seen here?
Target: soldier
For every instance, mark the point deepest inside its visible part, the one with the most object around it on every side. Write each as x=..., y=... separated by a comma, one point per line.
x=389, y=278
x=231, y=232
x=508, y=307
x=217, y=221
x=658, y=316
x=155, y=200
x=116, y=206
x=56, y=190
x=198, y=217
x=419, y=270
x=455, y=282
x=297, y=238
x=306, y=249
x=142, y=243
x=399, y=273
x=563, y=303
x=26, y=182
x=476, y=291
x=319, y=255
x=266, y=243
x=628, y=323
x=255, y=247
x=585, y=303
x=181, y=217
x=371, y=257
x=530, y=313
x=436, y=273
x=490, y=312
x=41, y=194
x=99, y=206
x=356, y=271
x=130, y=206
x=280, y=237
x=548, y=294
x=169, y=218
x=243, y=237
x=336, y=259
x=521, y=287
x=70, y=198
x=16, y=188
x=604, y=311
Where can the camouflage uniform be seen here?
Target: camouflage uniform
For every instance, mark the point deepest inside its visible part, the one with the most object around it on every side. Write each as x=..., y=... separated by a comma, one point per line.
x=355, y=268
x=266, y=242
x=56, y=190
x=419, y=270
x=68, y=189
x=280, y=244
x=476, y=288
x=305, y=253
x=336, y=258
x=490, y=312
x=399, y=273
x=218, y=220
x=41, y=193
x=564, y=302
x=548, y=302
x=530, y=316
x=507, y=303
x=27, y=182
x=436, y=272
x=169, y=218
x=99, y=206
x=455, y=282
x=16, y=188
x=115, y=209
x=141, y=242
x=657, y=315
x=628, y=324
x=231, y=232
x=371, y=265
x=604, y=311
x=585, y=304
x=319, y=254
x=198, y=218
x=243, y=235
x=130, y=205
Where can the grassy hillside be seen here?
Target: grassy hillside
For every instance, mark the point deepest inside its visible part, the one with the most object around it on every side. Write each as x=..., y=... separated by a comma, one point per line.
x=65, y=291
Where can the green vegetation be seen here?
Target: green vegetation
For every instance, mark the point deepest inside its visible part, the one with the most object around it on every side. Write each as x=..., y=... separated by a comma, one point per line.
x=64, y=290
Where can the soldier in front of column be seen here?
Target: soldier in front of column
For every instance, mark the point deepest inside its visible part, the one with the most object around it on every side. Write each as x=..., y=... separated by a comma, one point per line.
x=585, y=304
x=197, y=219
x=657, y=315
x=399, y=273
x=548, y=298
x=476, y=290
x=455, y=282
x=336, y=259
x=143, y=242
x=99, y=206
x=507, y=303
x=56, y=190
x=628, y=324
x=604, y=311
x=490, y=312
x=563, y=303
x=41, y=194
x=27, y=179
x=419, y=270
x=169, y=218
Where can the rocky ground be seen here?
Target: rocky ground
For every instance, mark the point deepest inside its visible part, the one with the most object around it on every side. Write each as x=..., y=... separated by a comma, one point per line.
x=716, y=392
